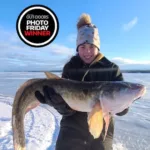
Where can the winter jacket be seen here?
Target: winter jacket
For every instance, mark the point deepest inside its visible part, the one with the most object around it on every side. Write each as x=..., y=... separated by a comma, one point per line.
x=101, y=69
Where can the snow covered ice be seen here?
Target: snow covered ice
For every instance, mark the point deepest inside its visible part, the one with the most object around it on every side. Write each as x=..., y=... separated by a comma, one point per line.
x=132, y=131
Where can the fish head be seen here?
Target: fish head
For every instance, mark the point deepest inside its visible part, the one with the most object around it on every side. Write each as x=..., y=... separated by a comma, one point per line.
x=117, y=96
x=122, y=91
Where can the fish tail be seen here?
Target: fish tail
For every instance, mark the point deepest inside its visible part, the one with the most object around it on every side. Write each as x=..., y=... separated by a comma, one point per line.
x=18, y=132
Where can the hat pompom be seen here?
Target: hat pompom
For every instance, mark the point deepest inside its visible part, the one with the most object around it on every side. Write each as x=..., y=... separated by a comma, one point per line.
x=84, y=19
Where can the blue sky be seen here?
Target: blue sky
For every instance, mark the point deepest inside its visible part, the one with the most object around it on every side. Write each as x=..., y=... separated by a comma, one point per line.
x=124, y=28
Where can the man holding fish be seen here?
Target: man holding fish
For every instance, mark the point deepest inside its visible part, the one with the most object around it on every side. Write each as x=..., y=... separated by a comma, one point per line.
x=89, y=64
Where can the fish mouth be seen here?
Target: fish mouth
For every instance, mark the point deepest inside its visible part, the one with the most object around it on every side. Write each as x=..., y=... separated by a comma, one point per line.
x=141, y=93
x=138, y=97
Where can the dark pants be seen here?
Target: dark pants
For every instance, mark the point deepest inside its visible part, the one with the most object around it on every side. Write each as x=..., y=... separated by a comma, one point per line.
x=72, y=139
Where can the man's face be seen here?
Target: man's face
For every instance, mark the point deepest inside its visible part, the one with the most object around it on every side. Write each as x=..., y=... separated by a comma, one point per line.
x=87, y=52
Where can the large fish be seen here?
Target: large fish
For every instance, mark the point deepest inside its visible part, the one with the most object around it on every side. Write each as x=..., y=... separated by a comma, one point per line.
x=99, y=99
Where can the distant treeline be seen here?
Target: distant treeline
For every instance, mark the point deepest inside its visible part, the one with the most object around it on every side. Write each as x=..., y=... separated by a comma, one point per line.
x=135, y=71
x=123, y=71
x=59, y=71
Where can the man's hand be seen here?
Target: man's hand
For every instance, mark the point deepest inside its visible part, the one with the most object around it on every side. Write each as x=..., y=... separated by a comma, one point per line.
x=55, y=100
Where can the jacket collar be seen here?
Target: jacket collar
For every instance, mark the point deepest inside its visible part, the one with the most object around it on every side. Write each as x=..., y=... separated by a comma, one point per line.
x=97, y=58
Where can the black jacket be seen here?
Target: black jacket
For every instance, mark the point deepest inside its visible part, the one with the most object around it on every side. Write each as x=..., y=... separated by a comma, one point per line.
x=101, y=70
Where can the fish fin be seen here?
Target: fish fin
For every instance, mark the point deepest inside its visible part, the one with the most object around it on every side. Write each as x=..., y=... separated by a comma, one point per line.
x=107, y=121
x=50, y=75
x=106, y=115
x=95, y=121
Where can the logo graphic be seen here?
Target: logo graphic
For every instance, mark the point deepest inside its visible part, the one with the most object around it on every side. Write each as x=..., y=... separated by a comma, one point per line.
x=37, y=25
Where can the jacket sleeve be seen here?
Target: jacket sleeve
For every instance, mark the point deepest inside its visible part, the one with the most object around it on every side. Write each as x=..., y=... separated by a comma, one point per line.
x=116, y=73
x=65, y=72
x=117, y=76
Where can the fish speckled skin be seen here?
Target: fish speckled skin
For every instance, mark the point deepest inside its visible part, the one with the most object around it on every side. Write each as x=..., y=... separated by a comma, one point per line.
x=81, y=96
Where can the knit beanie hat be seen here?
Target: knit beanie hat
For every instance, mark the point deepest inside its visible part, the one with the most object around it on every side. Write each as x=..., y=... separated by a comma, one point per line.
x=87, y=32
